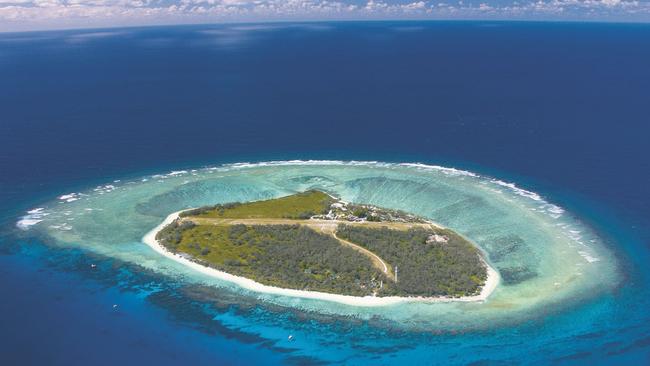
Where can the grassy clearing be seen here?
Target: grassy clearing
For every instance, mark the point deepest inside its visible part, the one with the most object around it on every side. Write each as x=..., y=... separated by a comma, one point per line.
x=297, y=206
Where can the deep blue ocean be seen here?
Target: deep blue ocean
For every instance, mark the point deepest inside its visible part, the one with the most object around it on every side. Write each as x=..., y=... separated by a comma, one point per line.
x=560, y=108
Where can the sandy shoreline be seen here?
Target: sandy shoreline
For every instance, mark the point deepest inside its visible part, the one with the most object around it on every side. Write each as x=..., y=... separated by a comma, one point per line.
x=150, y=239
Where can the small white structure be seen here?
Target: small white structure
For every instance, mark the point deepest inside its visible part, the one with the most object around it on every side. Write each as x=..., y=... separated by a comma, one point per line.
x=435, y=238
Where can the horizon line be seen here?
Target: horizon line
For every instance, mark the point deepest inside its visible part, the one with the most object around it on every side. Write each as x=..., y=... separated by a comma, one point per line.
x=329, y=21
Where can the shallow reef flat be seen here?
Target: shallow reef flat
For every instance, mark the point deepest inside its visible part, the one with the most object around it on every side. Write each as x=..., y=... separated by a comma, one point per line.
x=547, y=258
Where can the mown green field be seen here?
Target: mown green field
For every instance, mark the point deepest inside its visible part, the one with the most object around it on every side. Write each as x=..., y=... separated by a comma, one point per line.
x=297, y=206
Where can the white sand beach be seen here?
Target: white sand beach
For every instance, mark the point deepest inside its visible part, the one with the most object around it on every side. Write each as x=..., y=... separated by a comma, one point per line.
x=150, y=239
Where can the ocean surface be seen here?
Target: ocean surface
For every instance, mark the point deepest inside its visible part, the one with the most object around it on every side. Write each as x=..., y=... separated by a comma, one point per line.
x=104, y=132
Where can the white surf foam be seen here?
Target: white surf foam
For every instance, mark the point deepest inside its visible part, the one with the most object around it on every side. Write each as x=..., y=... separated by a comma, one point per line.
x=70, y=197
x=32, y=218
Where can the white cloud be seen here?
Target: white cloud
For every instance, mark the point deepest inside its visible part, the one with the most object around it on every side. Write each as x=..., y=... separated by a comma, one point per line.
x=30, y=14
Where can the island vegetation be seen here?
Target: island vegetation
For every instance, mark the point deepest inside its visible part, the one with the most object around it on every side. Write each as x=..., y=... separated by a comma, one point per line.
x=313, y=241
x=426, y=262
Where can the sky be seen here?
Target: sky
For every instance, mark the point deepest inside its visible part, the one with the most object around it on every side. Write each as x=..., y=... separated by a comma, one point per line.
x=25, y=15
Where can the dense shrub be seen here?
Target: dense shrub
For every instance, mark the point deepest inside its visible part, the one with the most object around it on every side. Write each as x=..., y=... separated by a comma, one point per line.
x=288, y=256
x=453, y=268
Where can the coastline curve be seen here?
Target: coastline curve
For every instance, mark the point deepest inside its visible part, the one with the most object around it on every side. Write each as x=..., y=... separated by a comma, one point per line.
x=490, y=285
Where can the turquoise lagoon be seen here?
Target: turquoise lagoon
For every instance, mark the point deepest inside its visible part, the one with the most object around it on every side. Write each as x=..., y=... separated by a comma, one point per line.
x=548, y=260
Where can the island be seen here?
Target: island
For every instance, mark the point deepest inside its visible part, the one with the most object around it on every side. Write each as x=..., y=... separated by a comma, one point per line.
x=313, y=243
